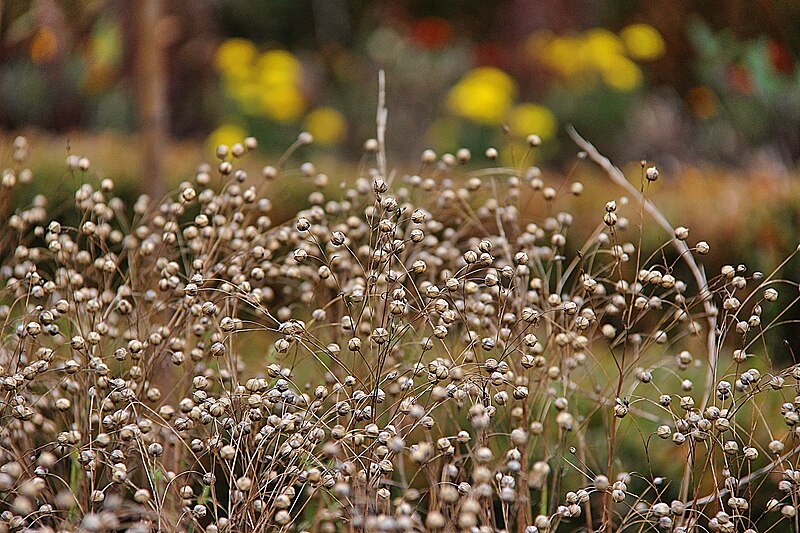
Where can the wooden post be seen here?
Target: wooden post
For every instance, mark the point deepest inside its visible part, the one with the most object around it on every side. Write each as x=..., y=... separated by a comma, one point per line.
x=151, y=93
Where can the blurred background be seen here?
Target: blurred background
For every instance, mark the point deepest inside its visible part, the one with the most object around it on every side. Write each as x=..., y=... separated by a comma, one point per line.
x=708, y=90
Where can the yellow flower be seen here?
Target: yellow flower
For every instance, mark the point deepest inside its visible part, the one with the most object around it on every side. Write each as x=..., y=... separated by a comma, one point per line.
x=622, y=74
x=327, y=125
x=278, y=67
x=277, y=78
x=282, y=104
x=564, y=55
x=643, y=42
x=570, y=55
x=528, y=118
x=601, y=48
x=234, y=56
x=484, y=95
x=227, y=134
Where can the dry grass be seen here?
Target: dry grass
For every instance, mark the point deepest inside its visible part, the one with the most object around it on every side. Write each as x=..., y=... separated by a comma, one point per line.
x=434, y=352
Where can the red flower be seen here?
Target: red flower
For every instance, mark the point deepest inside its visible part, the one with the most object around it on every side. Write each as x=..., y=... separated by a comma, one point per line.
x=431, y=32
x=780, y=58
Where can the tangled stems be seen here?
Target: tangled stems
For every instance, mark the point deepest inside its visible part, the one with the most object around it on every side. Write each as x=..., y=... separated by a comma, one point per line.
x=436, y=351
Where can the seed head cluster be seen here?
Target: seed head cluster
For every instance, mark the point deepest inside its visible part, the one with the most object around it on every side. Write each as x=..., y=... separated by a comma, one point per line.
x=428, y=352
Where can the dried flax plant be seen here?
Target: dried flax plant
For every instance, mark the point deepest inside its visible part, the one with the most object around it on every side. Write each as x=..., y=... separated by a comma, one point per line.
x=428, y=352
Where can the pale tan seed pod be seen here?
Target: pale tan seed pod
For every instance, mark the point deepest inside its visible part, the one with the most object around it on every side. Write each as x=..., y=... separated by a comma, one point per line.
x=435, y=520
x=776, y=446
x=282, y=517
x=227, y=452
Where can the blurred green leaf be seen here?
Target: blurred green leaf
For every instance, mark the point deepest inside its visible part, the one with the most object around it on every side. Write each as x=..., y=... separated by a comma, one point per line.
x=701, y=37
x=107, y=42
